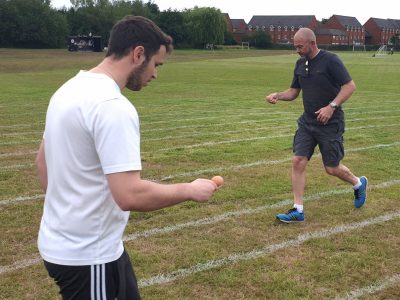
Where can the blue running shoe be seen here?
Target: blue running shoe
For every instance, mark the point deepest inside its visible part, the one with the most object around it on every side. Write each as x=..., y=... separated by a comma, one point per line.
x=291, y=216
x=360, y=195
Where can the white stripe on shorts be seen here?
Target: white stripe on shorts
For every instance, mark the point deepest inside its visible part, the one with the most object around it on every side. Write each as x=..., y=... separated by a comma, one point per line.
x=98, y=282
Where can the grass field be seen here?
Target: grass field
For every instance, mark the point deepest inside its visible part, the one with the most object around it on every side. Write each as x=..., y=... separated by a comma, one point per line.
x=206, y=115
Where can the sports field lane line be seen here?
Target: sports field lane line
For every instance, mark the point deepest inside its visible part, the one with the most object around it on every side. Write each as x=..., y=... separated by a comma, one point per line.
x=267, y=249
x=293, y=126
x=242, y=122
x=295, y=115
x=32, y=152
x=20, y=199
x=371, y=289
x=293, y=119
x=264, y=162
x=250, y=139
x=205, y=221
x=19, y=153
x=213, y=170
x=249, y=211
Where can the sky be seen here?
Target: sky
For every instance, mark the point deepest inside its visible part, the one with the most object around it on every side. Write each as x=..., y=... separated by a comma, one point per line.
x=362, y=10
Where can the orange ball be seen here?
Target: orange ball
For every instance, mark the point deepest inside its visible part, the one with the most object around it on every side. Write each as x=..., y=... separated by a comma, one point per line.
x=218, y=180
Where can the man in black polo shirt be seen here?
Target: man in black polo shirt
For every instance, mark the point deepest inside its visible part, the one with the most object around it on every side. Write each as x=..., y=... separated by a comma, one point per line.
x=326, y=85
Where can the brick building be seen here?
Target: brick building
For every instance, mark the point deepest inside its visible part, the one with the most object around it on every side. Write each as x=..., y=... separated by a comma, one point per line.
x=326, y=36
x=240, y=30
x=228, y=21
x=380, y=31
x=338, y=30
x=282, y=28
x=354, y=31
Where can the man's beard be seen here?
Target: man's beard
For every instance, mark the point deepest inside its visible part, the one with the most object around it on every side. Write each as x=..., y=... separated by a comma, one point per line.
x=135, y=79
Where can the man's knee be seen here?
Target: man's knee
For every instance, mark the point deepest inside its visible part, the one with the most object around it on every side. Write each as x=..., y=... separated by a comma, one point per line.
x=333, y=171
x=299, y=163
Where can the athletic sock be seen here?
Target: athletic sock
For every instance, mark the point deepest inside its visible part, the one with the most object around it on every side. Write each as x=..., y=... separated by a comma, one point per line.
x=299, y=207
x=357, y=186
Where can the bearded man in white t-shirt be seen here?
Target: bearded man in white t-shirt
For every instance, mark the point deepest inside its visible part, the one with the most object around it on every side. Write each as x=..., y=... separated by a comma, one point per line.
x=89, y=166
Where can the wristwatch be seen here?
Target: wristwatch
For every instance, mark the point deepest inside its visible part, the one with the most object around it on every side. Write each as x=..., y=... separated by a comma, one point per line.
x=333, y=104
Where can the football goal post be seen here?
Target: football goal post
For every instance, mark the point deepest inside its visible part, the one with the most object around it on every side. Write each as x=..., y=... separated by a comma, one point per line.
x=245, y=45
x=381, y=51
x=358, y=47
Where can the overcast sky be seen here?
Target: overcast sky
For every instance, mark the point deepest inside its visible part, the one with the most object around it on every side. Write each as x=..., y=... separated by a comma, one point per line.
x=236, y=9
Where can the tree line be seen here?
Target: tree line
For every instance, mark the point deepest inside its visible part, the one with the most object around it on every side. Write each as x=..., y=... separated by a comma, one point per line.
x=36, y=24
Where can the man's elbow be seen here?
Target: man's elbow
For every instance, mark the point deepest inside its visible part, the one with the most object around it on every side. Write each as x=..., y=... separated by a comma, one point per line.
x=352, y=86
x=129, y=203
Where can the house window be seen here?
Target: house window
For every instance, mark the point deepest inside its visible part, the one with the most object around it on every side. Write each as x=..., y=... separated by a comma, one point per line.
x=250, y=27
x=263, y=28
x=271, y=28
x=285, y=28
x=292, y=28
x=279, y=28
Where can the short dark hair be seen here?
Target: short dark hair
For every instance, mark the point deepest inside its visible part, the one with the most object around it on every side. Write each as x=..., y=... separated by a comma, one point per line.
x=133, y=31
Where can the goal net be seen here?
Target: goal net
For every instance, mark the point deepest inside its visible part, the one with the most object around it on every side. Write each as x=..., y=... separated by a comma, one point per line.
x=381, y=51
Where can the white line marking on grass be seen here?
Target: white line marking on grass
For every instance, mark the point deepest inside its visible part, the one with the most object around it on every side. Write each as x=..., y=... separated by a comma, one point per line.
x=257, y=253
x=263, y=162
x=230, y=168
x=33, y=261
x=247, y=211
x=16, y=167
x=266, y=113
x=373, y=288
x=18, y=153
x=250, y=122
x=210, y=144
x=21, y=264
x=21, y=198
x=21, y=142
x=202, y=133
x=11, y=154
x=295, y=115
x=258, y=138
x=37, y=132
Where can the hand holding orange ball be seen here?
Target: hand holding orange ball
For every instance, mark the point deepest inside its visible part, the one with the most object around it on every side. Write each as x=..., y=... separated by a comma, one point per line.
x=218, y=180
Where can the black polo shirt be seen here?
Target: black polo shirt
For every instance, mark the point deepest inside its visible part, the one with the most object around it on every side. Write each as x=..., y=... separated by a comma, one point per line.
x=320, y=80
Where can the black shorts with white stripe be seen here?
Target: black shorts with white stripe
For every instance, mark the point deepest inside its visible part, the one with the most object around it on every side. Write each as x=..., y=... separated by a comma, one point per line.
x=113, y=280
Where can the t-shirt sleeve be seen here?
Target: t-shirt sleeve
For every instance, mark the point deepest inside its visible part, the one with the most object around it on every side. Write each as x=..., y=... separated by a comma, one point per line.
x=115, y=129
x=338, y=71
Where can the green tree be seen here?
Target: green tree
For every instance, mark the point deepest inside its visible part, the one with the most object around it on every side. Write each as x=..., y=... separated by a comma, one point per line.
x=31, y=23
x=98, y=16
x=228, y=38
x=260, y=39
x=205, y=25
x=172, y=23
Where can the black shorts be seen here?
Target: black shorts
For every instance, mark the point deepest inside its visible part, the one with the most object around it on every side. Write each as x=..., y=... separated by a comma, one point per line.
x=329, y=139
x=113, y=280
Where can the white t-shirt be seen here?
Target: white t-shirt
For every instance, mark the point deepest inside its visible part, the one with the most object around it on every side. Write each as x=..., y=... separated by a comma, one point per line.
x=91, y=130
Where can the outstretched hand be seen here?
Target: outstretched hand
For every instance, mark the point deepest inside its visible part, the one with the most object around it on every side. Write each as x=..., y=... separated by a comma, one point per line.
x=203, y=189
x=272, y=98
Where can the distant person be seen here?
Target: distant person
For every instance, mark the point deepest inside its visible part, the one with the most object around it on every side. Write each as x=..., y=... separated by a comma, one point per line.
x=325, y=85
x=89, y=165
